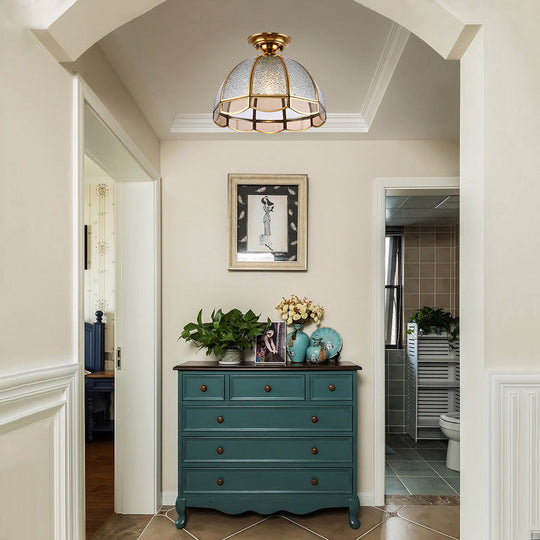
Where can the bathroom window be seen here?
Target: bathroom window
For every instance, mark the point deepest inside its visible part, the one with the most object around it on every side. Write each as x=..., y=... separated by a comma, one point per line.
x=393, y=287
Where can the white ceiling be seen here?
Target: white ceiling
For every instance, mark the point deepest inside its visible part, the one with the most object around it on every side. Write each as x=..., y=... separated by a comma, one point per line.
x=174, y=58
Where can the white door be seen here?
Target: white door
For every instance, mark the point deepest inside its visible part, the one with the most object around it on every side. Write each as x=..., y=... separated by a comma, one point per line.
x=137, y=378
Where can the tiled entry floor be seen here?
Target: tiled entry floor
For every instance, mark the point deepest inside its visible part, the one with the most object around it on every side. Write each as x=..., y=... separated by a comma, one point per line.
x=418, y=468
x=377, y=523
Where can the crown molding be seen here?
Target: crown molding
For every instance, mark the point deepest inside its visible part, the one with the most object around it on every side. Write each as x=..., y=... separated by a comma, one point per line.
x=335, y=122
x=202, y=123
x=388, y=61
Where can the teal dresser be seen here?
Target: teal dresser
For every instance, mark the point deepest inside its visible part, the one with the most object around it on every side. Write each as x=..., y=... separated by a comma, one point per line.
x=267, y=438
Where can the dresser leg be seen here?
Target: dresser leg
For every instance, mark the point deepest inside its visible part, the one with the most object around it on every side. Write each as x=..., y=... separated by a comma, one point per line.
x=181, y=510
x=354, y=508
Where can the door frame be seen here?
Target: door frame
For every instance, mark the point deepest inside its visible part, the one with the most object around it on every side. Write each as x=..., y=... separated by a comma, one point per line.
x=84, y=94
x=379, y=425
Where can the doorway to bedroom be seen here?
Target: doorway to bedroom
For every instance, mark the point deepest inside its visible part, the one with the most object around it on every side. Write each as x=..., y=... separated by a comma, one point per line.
x=119, y=290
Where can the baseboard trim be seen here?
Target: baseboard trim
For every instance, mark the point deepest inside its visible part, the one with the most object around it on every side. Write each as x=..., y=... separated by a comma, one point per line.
x=168, y=498
x=367, y=498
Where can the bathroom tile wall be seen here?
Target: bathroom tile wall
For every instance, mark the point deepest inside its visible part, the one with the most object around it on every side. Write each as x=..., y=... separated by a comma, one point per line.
x=395, y=390
x=430, y=269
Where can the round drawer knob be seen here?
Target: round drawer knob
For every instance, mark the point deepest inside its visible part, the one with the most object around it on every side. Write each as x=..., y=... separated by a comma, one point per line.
x=314, y=481
x=267, y=388
x=204, y=388
x=315, y=450
x=332, y=387
x=219, y=450
x=220, y=419
x=219, y=481
x=314, y=419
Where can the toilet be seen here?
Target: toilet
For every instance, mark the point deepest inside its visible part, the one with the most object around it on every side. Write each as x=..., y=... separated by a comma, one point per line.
x=449, y=424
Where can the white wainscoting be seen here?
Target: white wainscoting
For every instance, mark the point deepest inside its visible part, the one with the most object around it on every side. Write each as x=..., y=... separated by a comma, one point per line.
x=515, y=455
x=27, y=398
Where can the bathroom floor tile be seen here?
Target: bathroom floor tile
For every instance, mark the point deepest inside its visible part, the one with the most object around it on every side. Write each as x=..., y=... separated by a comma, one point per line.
x=403, y=454
x=412, y=468
x=433, y=455
x=388, y=470
x=443, y=470
x=425, y=445
x=427, y=486
x=393, y=486
x=396, y=441
x=454, y=482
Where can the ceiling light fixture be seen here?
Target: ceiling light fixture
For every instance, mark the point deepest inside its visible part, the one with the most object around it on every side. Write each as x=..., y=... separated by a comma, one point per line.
x=269, y=93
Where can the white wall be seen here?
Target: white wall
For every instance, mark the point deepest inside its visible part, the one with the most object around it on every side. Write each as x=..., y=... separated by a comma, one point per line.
x=340, y=248
x=35, y=198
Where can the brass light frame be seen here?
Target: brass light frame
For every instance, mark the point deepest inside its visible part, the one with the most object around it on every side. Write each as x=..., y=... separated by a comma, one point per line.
x=266, y=110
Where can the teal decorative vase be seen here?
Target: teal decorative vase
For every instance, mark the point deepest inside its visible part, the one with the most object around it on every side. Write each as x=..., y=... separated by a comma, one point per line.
x=297, y=344
x=317, y=353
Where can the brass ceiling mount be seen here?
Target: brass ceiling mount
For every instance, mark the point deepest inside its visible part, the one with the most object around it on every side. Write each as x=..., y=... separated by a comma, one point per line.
x=269, y=42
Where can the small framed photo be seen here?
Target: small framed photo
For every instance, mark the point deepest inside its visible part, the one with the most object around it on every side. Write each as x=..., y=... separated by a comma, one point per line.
x=271, y=348
x=267, y=222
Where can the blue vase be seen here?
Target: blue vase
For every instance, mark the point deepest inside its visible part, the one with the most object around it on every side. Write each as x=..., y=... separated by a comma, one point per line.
x=297, y=344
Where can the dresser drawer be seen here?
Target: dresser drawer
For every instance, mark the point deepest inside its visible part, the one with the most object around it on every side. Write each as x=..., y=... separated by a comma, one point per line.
x=204, y=387
x=267, y=418
x=310, y=449
x=260, y=480
x=263, y=386
x=337, y=387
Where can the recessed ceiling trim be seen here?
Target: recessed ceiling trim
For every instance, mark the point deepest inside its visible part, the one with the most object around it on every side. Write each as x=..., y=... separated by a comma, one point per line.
x=335, y=122
x=393, y=49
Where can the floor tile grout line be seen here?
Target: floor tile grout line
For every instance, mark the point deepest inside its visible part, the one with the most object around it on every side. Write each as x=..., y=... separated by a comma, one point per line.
x=146, y=527
x=426, y=527
x=374, y=527
x=304, y=527
x=450, y=485
x=246, y=528
x=191, y=534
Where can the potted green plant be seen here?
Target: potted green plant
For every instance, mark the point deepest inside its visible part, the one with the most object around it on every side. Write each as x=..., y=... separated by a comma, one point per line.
x=226, y=334
x=436, y=321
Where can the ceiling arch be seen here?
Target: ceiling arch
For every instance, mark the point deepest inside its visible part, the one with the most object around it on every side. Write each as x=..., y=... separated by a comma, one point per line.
x=85, y=22
x=430, y=21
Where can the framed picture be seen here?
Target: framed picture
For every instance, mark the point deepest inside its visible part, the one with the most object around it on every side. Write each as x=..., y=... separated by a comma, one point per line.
x=267, y=222
x=271, y=348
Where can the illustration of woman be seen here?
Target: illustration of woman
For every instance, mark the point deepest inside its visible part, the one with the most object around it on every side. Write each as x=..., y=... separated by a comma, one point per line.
x=268, y=206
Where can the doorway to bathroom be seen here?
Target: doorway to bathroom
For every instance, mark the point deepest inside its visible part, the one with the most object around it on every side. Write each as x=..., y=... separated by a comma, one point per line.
x=418, y=275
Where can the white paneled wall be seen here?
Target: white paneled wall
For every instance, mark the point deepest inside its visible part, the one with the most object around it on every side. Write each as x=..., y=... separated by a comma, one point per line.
x=99, y=278
x=515, y=455
x=39, y=476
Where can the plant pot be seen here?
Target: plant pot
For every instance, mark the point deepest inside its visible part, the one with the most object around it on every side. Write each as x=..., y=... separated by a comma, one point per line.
x=297, y=344
x=230, y=357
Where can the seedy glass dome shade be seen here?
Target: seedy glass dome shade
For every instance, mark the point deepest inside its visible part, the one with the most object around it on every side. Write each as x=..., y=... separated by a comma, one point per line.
x=269, y=93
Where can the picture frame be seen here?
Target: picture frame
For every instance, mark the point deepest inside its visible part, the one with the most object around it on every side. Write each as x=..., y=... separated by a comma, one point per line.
x=272, y=347
x=267, y=221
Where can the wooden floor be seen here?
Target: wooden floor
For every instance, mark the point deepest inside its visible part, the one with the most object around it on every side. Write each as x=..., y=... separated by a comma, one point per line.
x=99, y=482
